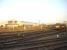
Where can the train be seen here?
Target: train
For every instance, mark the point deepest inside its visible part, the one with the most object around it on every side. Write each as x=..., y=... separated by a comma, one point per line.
x=60, y=27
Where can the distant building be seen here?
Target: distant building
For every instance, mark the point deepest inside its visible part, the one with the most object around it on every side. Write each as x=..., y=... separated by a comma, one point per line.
x=11, y=24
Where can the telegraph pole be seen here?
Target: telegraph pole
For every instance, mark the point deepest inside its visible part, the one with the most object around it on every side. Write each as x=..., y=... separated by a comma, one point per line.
x=40, y=25
x=13, y=27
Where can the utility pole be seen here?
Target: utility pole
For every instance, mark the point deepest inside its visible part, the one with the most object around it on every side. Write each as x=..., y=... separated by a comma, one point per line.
x=40, y=25
x=13, y=25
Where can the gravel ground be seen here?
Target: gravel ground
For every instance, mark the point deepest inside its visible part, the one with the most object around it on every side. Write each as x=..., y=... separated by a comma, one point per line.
x=62, y=48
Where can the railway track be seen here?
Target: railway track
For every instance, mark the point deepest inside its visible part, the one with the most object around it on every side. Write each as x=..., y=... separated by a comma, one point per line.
x=50, y=39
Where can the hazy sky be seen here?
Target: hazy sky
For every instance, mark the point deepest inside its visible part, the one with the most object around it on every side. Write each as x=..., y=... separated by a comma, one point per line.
x=47, y=11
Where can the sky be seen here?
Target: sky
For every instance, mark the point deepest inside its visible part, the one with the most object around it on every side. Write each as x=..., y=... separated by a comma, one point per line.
x=45, y=11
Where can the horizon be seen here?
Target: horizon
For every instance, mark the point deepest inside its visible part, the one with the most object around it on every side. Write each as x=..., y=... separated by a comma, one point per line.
x=6, y=22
